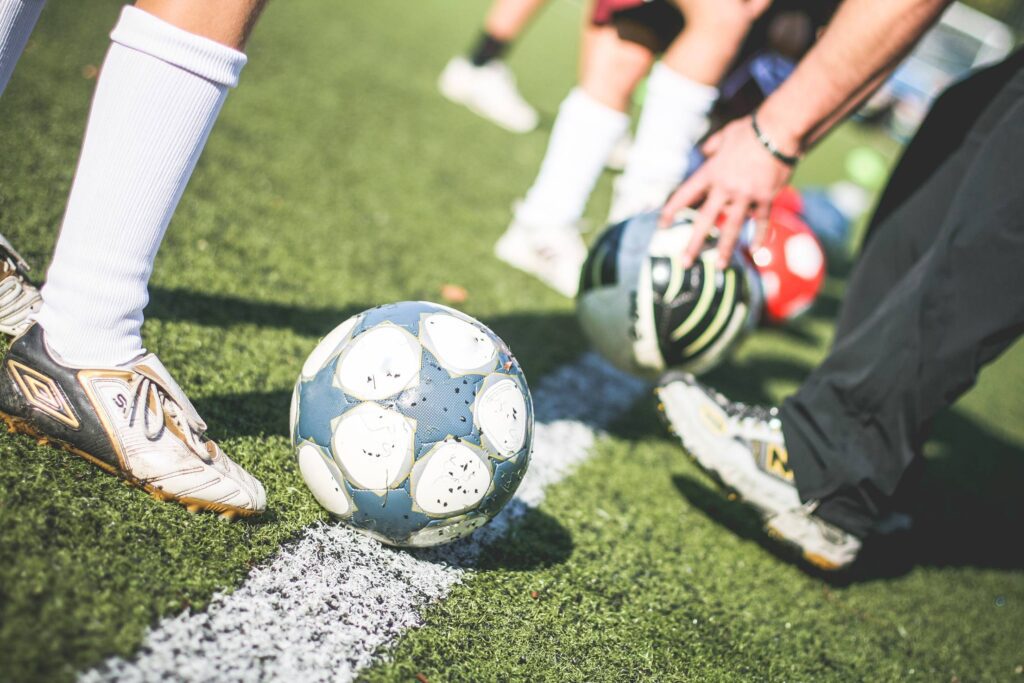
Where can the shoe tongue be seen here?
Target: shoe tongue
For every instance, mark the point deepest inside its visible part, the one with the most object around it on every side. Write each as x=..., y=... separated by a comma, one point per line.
x=150, y=366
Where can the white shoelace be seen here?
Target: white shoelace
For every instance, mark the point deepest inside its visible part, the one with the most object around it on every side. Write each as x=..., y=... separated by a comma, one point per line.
x=143, y=390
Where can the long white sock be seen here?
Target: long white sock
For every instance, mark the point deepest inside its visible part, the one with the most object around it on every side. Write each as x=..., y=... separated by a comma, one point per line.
x=17, y=18
x=583, y=136
x=673, y=119
x=158, y=95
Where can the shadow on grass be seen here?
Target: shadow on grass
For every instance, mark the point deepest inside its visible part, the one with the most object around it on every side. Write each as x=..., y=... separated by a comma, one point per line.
x=541, y=339
x=533, y=539
x=219, y=310
x=966, y=511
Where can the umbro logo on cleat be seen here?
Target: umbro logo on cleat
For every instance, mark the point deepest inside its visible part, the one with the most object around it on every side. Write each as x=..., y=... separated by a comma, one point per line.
x=43, y=394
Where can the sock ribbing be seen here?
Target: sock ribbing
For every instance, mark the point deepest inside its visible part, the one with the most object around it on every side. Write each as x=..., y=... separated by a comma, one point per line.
x=157, y=98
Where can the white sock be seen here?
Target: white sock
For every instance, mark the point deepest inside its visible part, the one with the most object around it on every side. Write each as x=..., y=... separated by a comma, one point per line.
x=673, y=119
x=17, y=18
x=158, y=95
x=583, y=136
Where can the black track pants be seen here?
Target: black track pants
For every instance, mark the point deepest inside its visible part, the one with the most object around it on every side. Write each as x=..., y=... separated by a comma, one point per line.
x=937, y=293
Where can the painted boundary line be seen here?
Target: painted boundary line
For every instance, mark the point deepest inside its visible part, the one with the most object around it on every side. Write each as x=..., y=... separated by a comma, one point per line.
x=321, y=608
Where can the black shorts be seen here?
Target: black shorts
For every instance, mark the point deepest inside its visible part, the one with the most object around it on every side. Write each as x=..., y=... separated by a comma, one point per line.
x=653, y=25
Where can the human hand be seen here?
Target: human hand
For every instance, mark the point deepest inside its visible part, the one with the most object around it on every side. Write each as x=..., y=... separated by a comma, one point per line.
x=740, y=178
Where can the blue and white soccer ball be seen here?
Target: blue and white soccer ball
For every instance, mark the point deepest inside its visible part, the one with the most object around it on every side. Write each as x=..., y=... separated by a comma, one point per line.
x=412, y=422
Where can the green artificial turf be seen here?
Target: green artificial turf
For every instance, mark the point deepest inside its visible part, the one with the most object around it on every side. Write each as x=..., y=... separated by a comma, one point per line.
x=337, y=179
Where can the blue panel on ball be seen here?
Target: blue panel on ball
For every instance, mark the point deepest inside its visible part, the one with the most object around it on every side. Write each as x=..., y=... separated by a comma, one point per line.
x=441, y=405
x=507, y=476
x=390, y=515
x=321, y=402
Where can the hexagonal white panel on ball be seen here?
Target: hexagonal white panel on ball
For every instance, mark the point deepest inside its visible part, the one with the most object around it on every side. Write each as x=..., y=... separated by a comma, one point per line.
x=324, y=479
x=500, y=415
x=459, y=346
x=452, y=477
x=380, y=363
x=374, y=446
x=327, y=346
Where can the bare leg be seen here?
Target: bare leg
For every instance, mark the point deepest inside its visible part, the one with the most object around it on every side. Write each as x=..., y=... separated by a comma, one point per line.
x=712, y=36
x=507, y=19
x=613, y=67
x=229, y=22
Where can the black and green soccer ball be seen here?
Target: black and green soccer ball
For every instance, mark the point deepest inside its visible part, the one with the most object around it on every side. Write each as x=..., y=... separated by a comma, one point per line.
x=646, y=313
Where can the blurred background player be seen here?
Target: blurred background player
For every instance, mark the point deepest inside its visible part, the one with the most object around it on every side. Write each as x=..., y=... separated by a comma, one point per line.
x=934, y=296
x=80, y=377
x=482, y=81
x=618, y=49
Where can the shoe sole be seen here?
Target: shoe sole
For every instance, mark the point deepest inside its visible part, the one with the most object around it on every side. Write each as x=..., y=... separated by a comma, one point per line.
x=732, y=494
x=18, y=425
x=813, y=558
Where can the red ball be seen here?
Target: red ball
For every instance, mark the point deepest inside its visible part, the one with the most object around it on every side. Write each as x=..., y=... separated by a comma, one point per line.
x=791, y=263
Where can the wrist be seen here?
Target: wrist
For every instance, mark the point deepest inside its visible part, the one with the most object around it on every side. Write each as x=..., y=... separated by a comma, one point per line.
x=770, y=146
x=782, y=129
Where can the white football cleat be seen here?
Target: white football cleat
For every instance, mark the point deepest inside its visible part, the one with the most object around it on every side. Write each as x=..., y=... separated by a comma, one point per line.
x=553, y=254
x=743, y=448
x=489, y=91
x=134, y=422
x=19, y=299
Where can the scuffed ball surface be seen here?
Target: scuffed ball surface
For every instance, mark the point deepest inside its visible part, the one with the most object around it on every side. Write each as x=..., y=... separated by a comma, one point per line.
x=412, y=422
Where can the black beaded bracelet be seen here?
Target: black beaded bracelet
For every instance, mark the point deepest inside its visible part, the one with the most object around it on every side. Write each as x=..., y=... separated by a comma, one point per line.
x=767, y=143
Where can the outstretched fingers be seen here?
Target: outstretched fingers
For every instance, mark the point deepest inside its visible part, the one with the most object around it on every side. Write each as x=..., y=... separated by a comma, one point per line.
x=690, y=193
x=734, y=215
x=703, y=224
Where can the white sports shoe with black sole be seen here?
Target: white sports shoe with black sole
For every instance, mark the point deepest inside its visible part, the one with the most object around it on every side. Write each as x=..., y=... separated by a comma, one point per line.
x=489, y=91
x=19, y=298
x=743, y=448
x=552, y=254
x=134, y=422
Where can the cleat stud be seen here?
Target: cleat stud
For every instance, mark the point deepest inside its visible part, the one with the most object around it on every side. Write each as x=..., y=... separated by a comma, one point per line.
x=193, y=508
x=228, y=515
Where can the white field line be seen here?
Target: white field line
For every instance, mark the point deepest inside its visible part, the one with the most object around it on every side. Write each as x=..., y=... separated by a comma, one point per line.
x=327, y=602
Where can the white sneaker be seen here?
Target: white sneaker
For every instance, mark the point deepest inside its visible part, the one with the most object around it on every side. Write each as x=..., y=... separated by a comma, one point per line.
x=19, y=299
x=743, y=448
x=630, y=199
x=490, y=91
x=134, y=422
x=552, y=254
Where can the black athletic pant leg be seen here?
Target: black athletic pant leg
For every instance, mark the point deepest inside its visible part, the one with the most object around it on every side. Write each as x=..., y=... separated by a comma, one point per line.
x=917, y=197
x=917, y=343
